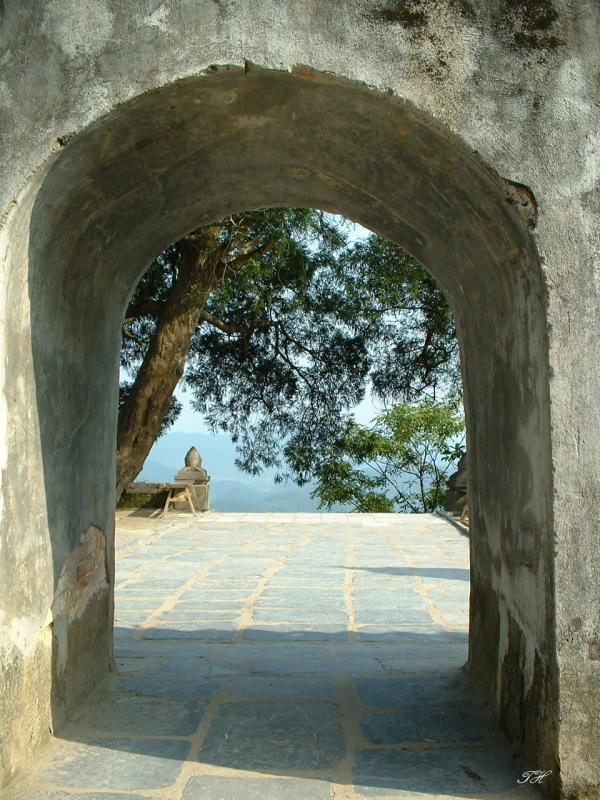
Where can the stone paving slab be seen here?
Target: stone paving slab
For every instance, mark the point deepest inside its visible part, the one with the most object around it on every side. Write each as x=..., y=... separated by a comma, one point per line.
x=118, y=763
x=30, y=793
x=284, y=657
x=461, y=772
x=128, y=714
x=269, y=736
x=216, y=788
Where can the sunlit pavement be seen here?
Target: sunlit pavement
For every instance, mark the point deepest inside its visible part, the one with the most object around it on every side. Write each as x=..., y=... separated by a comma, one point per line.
x=284, y=657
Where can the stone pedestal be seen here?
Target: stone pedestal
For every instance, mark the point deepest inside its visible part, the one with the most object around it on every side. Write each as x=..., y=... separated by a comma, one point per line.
x=193, y=472
x=456, y=496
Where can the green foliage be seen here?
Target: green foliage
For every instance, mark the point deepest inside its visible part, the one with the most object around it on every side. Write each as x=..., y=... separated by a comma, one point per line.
x=305, y=320
x=399, y=464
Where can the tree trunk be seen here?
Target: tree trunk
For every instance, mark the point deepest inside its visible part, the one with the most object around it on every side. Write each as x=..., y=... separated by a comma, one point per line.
x=147, y=404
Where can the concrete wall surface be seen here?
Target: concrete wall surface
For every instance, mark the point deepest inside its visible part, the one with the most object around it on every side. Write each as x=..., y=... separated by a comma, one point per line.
x=467, y=131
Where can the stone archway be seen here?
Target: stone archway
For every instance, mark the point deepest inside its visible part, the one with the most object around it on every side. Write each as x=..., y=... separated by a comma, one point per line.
x=190, y=152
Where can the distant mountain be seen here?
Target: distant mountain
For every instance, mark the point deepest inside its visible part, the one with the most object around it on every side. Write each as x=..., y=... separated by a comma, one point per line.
x=239, y=496
x=154, y=472
x=218, y=454
x=231, y=490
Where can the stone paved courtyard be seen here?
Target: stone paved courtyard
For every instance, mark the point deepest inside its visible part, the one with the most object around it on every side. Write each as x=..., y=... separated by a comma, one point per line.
x=284, y=657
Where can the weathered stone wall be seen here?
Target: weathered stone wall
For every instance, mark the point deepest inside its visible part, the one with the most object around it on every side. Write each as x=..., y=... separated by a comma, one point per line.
x=107, y=159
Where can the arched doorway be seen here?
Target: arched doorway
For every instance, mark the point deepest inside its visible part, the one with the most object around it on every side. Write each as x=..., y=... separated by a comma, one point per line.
x=190, y=153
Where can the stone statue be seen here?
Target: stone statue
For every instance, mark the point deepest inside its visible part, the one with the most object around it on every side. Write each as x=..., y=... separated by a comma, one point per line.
x=194, y=473
x=456, y=496
x=192, y=458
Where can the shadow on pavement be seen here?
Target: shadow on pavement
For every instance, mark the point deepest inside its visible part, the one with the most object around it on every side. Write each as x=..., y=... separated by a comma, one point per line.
x=391, y=714
x=443, y=573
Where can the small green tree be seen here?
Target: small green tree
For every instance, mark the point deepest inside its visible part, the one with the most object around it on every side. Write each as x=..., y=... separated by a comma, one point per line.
x=399, y=464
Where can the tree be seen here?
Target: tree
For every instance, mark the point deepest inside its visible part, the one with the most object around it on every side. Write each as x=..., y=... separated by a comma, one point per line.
x=399, y=464
x=283, y=321
x=167, y=308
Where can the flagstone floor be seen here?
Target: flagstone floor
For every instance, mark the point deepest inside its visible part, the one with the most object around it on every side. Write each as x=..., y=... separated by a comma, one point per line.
x=284, y=657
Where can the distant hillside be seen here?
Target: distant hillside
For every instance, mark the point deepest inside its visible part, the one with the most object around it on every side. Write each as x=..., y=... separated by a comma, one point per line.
x=218, y=454
x=238, y=496
x=156, y=473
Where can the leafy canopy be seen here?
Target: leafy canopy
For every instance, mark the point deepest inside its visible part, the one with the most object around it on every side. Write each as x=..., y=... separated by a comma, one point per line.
x=289, y=342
